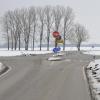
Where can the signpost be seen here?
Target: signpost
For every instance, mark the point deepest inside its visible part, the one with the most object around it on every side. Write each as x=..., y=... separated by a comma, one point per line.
x=57, y=49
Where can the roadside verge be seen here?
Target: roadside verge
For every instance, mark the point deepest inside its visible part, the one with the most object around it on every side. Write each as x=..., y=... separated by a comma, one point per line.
x=89, y=86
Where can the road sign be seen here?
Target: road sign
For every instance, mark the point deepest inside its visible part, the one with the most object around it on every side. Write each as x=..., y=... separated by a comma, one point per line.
x=55, y=34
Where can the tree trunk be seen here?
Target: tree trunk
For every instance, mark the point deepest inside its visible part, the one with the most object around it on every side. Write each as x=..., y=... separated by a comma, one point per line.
x=26, y=42
x=26, y=46
x=40, y=41
x=34, y=36
x=15, y=45
x=41, y=36
x=12, y=40
x=48, y=39
x=78, y=47
x=48, y=43
x=55, y=43
x=8, y=39
x=19, y=42
x=64, y=41
x=8, y=43
x=33, y=42
x=12, y=45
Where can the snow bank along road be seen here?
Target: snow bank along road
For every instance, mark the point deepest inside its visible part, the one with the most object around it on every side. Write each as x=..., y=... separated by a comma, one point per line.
x=35, y=78
x=3, y=69
x=93, y=74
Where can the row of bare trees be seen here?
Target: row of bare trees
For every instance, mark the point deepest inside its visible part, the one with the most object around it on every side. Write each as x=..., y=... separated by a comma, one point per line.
x=37, y=23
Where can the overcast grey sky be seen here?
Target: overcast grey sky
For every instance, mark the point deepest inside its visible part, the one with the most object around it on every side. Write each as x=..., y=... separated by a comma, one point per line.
x=87, y=12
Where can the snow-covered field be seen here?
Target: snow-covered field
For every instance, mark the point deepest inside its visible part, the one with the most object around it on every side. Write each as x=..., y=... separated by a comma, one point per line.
x=92, y=52
x=5, y=52
x=87, y=50
x=18, y=53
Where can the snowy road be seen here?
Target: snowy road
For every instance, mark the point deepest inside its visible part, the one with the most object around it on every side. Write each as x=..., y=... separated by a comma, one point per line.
x=35, y=78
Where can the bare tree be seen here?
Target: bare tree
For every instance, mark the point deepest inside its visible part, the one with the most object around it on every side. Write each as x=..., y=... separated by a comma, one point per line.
x=58, y=15
x=11, y=27
x=49, y=22
x=68, y=23
x=24, y=26
x=34, y=25
x=18, y=27
x=58, y=12
x=41, y=17
x=27, y=21
x=79, y=35
x=15, y=27
x=6, y=28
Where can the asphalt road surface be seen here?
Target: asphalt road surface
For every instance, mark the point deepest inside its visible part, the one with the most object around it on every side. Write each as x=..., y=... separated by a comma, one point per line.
x=36, y=78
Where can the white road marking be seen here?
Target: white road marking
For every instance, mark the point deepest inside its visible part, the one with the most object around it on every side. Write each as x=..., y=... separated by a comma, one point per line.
x=54, y=58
